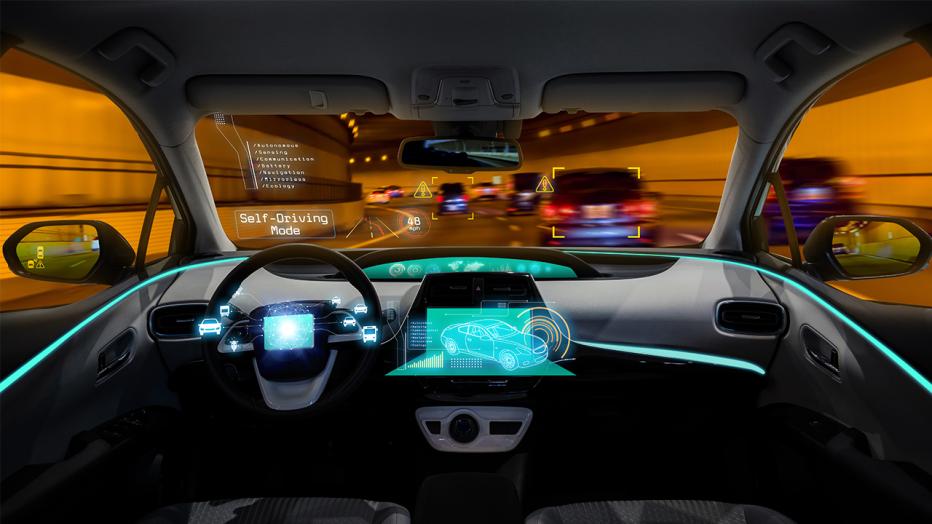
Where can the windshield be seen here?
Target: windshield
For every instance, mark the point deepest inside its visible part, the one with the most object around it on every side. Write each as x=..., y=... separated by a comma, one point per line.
x=614, y=179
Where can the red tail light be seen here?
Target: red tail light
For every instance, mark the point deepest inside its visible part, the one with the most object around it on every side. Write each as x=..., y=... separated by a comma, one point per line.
x=465, y=198
x=553, y=212
x=639, y=208
x=567, y=211
x=440, y=198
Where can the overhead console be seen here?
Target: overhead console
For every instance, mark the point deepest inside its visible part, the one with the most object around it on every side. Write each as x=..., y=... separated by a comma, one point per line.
x=465, y=94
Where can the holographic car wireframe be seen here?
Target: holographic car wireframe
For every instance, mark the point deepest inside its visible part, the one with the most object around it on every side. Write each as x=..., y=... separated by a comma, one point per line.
x=495, y=340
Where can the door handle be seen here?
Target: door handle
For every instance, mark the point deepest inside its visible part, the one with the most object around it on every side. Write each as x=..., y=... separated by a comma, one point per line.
x=820, y=351
x=115, y=354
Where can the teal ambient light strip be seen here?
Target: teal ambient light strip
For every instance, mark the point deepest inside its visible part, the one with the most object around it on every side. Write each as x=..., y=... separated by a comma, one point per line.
x=677, y=355
x=874, y=341
x=10, y=379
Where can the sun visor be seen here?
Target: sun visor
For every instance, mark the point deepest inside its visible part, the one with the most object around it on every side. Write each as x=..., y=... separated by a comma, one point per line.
x=642, y=92
x=288, y=95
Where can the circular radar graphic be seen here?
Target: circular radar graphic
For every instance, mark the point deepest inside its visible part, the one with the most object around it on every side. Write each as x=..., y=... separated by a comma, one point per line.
x=550, y=326
x=413, y=222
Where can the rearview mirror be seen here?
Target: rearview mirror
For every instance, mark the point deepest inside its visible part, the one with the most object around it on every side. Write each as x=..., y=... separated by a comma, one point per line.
x=849, y=247
x=460, y=155
x=73, y=251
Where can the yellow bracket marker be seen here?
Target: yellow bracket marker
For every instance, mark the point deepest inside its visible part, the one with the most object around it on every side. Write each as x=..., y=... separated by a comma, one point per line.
x=553, y=232
x=473, y=217
x=472, y=180
x=433, y=180
x=638, y=235
x=432, y=217
x=637, y=171
x=553, y=171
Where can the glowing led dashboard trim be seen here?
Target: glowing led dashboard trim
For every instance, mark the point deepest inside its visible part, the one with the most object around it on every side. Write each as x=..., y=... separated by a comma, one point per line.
x=39, y=357
x=677, y=354
x=874, y=341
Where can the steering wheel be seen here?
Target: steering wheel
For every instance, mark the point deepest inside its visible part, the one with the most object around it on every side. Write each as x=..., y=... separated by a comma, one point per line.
x=290, y=348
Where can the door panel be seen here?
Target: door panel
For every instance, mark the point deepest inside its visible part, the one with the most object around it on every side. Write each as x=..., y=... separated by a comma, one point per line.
x=62, y=395
x=870, y=393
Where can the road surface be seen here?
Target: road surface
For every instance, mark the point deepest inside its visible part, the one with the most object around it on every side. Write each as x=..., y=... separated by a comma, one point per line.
x=487, y=224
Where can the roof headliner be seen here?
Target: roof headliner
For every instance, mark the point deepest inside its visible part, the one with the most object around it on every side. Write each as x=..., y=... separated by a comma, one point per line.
x=388, y=40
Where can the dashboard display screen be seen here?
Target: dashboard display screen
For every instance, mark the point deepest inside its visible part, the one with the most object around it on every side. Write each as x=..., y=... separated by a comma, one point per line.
x=490, y=341
x=287, y=332
x=416, y=269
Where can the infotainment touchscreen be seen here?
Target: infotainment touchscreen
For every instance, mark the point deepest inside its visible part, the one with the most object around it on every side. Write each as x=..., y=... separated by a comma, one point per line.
x=482, y=325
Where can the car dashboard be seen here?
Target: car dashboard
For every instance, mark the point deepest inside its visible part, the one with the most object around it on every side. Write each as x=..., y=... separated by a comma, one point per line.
x=472, y=319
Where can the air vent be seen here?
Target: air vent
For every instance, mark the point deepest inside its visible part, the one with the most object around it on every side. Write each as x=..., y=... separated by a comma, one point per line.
x=750, y=317
x=176, y=320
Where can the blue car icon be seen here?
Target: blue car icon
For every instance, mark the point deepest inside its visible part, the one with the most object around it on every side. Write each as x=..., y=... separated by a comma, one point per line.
x=495, y=340
x=209, y=325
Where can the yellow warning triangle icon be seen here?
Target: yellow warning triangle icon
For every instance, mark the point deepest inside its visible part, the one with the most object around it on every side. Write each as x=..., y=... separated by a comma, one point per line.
x=544, y=186
x=422, y=191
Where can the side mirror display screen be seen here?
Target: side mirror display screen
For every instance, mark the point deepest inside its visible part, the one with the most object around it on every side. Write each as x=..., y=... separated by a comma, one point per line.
x=66, y=251
x=865, y=249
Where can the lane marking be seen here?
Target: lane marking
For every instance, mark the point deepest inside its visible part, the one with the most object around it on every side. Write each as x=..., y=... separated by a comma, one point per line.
x=357, y=225
x=514, y=227
x=388, y=228
x=386, y=235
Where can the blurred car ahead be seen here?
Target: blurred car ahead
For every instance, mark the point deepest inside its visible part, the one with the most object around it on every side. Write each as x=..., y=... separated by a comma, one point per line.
x=394, y=191
x=599, y=207
x=378, y=196
x=816, y=188
x=452, y=198
x=485, y=190
x=524, y=197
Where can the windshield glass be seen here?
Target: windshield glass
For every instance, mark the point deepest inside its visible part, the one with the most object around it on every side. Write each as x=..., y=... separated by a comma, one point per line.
x=615, y=179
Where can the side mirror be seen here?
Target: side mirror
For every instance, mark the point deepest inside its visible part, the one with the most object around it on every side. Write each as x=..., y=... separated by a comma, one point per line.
x=73, y=251
x=460, y=155
x=849, y=247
